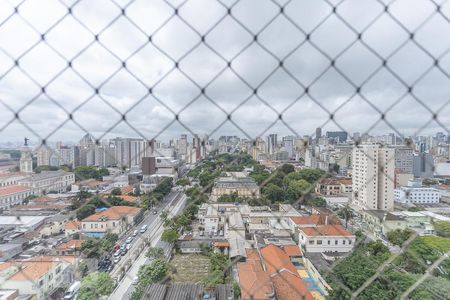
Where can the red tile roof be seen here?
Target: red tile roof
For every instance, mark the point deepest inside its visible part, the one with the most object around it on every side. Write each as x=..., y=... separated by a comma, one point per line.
x=221, y=244
x=72, y=244
x=292, y=250
x=315, y=219
x=326, y=230
x=254, y=282
x=13, y=189
x=72, y=225
x=287, y=282
x=113, y=213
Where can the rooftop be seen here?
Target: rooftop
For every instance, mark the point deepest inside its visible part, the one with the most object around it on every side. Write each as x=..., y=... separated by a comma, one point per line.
x=326, y=230
x=113, y=213
x=13, y=189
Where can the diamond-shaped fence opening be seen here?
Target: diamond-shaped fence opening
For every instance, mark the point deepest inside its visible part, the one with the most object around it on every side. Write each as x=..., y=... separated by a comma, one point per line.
x=152, y=70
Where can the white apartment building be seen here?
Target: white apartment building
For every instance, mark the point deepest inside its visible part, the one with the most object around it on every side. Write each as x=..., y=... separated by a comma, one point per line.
x=326, y=238
x=417, y=195
x=373, y=177
x=41, y=276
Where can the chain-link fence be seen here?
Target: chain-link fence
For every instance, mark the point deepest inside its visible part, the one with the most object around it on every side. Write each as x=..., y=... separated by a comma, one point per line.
x=158, y=69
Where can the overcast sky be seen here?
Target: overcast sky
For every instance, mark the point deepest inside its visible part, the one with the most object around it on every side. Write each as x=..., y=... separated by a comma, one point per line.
x=178, y=91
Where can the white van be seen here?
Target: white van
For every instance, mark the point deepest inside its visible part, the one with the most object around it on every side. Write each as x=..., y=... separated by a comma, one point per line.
x=144, y=228
x=72, y=291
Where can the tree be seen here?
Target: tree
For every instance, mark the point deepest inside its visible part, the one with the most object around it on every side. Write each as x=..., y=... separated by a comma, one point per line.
x=85, y=211
x=274, y=193
x=170, y=236
x=346, y=213
x=311, y=175
x=95, y=285
x=287, y=168
x=398, y=236
x=183, y=182
x=116, y=191
x=317, y=202
x=154, y=272
x=155, y=252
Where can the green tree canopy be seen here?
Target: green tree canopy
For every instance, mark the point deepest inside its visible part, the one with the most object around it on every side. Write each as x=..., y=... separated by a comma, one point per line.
x=95, y=285
x=169, y=235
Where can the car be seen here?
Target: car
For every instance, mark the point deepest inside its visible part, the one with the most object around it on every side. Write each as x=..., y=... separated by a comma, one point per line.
x=72, y=291
x=117, y=253
x=143, y=228
x=129, y=240
x=116, y=259
x=123, y=246
x=116, y=247
x=135, y=280
x=135, y=233
x=155, y=212
x=128, y=246
x=123, y=252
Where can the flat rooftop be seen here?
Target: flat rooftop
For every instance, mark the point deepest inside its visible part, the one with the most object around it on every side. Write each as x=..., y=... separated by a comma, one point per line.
x=28, y=221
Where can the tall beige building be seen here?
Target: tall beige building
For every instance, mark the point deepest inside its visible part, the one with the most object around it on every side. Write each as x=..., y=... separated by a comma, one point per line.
x=373, y=177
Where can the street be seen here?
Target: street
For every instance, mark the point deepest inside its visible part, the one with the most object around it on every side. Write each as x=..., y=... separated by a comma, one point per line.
x=124, y=287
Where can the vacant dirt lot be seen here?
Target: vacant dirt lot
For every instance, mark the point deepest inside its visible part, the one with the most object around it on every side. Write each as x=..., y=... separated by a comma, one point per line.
x=191, y=268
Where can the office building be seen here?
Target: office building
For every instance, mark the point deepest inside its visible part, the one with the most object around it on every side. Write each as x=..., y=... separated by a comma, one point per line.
x=423, y=165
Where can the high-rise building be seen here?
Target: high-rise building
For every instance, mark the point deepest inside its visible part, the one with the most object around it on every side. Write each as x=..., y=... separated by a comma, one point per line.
x=337, y=136
x=288, y=142
x=373, y=177
x=271, y=143
x=404, y=160
x=318, y=133
x=43, y=154
x=423, y=165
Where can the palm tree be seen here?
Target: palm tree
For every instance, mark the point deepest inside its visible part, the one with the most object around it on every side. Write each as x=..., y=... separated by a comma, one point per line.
x=346, y=213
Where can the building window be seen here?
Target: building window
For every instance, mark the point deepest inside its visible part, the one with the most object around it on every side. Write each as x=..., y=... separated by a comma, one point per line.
x=336, y=242
x=41, y=283
x=329, y=242
x=319, y=242
x=311, y=242
x=343, y=242
x=350, y=242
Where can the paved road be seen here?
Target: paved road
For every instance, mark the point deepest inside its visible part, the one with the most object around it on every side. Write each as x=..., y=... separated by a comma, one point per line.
x=125, y=289
x=148, y=219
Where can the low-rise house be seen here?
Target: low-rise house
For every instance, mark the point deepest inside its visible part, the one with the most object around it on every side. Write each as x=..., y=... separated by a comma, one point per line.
x=72, y=247
x=334, y=186
x=326, y=238
x=115, y=219
x=380, y=222
x=40, y=276
x=283, y=274
x=53, y=226
x=72, y=227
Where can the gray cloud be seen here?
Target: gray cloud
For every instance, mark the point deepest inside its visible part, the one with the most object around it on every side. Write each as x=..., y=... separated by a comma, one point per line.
x=150, y=51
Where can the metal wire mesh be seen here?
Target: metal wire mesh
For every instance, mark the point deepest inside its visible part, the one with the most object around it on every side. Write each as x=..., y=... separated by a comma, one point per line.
x=164, y=67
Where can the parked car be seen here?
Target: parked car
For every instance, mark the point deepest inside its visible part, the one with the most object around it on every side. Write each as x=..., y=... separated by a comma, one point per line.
x=128, y=246
x=117, y=259
x=72, y=291
x=155, y=212
x=123, y=252
x=129, y=240
x=135, y=280
x=123, y=246
x=135, y=233
x=117, y=253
